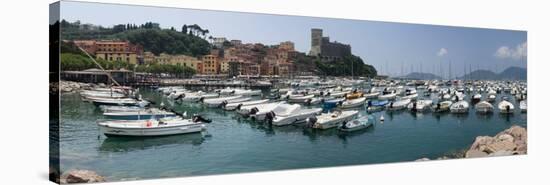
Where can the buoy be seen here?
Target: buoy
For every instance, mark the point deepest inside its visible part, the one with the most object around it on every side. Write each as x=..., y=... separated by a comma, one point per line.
x=382, y=118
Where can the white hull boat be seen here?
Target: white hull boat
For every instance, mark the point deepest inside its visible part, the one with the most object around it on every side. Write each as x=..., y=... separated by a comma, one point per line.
x=443, y=106
x=253, y=109
x=505, y=107
x=290, y=117
x=300, y=98
x=334, y=119
x=398, y=104
x=161, y=127
x=420, y=105
x=389, y=96
x=523, y=105
x=220, y=102
x=460, y=107
x=139, y=115
x=238, y=105
x=359, y=102
x=357, y=124
x=484, y=107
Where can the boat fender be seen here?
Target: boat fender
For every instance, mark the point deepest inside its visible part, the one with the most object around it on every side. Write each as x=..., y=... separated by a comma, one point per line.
x=148, y=123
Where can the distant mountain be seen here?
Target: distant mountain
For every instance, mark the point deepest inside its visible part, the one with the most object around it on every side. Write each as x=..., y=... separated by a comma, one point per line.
x=481, y=75
x=421, y=76
x=514, y=73
x=511, y=73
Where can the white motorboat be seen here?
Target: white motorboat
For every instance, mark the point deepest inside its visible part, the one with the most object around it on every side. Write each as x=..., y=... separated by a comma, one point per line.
x=160, y=127
x=197, y=96
x=139, y=114
x=331, y=120
x=216, y=102
x=280, y=109
x=221, y=102
x=112, y=108
x=357, y=124
x=387, y=95
x=505, y=107
x=300, y=98
x=296, y=114
x=460, y=107
x=443, y=106
x=102, y=94
x=253, y=109
x=420, y=105
x=476, y=98
x=523, y=105
x=491, y=97
x=398, y=104
x=359, y=102
x=238, y=105
x=371, y=95
x=119, y=101
x=484, y=107
x=247, y=92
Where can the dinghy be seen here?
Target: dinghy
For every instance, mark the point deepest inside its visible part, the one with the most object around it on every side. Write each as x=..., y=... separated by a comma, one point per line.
x=484, y=107
x=357, y=124
x=460, y=107
x=238, y=105
x=505, y=107
x=443, y=106
x=352, y=103
x=160, y=127
x=331, y=120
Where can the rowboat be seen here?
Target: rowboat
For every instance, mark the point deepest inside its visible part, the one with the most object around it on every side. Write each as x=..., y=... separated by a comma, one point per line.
x=357, y=124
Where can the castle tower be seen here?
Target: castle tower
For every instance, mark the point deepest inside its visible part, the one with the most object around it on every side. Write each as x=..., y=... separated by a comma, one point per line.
x=316, y=40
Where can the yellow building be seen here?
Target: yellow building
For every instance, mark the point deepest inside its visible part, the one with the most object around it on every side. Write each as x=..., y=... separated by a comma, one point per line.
x=129, y=57
x=224, y=67
x=210, y=64
x=182, y=60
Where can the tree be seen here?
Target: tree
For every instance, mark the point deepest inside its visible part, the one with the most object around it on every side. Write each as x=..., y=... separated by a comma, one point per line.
x=184, y=29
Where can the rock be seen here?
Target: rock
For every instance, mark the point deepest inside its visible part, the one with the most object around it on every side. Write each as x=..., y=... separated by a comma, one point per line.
x=81, y=176
x=511, y=141
x=475, y=153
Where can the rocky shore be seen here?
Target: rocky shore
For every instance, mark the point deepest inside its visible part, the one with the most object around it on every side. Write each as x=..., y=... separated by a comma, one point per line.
x=69, y=86
x=80, y=176
x=512, y=141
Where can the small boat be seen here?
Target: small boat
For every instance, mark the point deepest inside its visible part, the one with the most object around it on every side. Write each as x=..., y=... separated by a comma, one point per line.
x=352, y=103
x=247, y=92
x=523, y=105
x=300, y=98
x=197, y=96
x=216, y=102
x=354, y=95
x=291, y=115
x=387, y=95
x=491, y=97
x=336, y=94
x=484, y=107
x=443, y=106
x=460, y=107
x=238, y=105
x=373, y=106
x=253, y=109
x=476, y=98
x=505, y=107
x=160, y=127
x=331, y=120
x=420, y=105
x=112, y=108
x=398, y=104
x=120, y=101
x=357, y=124
x=333, y=103
x=139, y=115
x=102, y=94
x=410, y=93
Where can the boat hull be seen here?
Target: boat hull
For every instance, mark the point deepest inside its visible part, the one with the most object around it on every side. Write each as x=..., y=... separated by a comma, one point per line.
x=161, y=131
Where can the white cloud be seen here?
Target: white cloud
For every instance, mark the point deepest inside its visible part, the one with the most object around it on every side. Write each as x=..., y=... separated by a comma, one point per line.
x=442, y=52
x=517, y=53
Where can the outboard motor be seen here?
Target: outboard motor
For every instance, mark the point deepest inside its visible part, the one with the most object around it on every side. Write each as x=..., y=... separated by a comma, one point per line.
x=311, y=121
x=414, y=107
x=199, y=118
x=239, y=107
x=507, y=108
x=438, y=106
x=308, y=101
x=223, y=104
x=269, y=117
x=201, y=99
x=254, y=110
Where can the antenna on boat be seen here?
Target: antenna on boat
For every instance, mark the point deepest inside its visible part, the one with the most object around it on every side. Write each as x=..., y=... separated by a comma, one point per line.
x=100, y=67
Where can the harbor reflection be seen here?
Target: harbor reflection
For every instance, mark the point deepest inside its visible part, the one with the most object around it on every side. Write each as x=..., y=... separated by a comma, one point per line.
x=128, y=144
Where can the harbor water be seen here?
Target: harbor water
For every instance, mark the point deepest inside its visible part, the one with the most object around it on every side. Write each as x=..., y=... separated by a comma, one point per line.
x=232, y=144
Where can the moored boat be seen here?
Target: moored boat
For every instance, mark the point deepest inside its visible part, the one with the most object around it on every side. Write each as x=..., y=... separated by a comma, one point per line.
x=484, y=107
x=358, y=124
x=160, y=127
x=331, y=120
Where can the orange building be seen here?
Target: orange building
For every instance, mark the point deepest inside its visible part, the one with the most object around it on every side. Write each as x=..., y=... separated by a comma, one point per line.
x=210, y=64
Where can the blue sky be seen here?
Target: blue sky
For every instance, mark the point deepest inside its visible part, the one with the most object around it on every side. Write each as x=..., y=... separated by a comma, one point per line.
x=390, y=47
